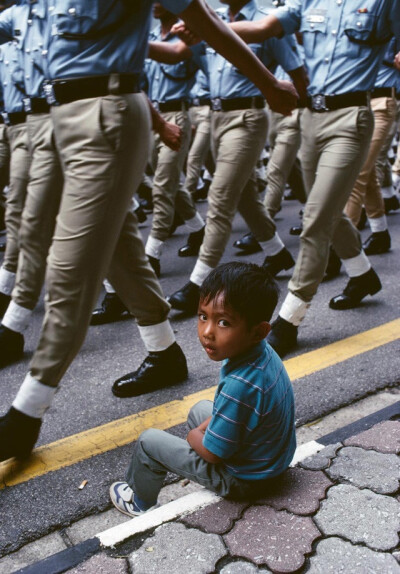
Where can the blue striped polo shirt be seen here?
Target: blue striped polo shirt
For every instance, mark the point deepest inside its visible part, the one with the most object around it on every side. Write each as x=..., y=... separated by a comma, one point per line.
x=253, y=423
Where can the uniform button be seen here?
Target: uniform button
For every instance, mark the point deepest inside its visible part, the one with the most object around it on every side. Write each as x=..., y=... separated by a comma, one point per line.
x=51, y=8
x=339, y=2
x=334, y=32
x=312, y=26
x=359, y=24
x=44, y=53
x=326, y=60
x=27, y=77
x=72, y=11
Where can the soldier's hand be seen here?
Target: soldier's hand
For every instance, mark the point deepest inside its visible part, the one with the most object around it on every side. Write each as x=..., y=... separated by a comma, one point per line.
x=396, y=62
x=182, y=31
x=282, y=97
x=171, y=135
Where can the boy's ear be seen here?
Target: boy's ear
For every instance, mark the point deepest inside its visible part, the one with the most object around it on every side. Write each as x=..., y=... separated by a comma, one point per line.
x=261, y=330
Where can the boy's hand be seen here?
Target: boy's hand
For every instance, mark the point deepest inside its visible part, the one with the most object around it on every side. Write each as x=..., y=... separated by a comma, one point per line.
x=282, y=97
x=195, y=439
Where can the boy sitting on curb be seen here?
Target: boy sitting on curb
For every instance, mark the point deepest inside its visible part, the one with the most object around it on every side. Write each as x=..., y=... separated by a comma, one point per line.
x=237, y=443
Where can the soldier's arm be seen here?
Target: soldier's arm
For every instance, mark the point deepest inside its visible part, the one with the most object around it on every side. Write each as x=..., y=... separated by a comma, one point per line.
x=258, y=31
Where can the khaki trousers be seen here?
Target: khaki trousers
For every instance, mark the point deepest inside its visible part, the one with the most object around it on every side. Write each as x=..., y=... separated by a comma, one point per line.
x=367, y=190
x=200, y=119
x=168, y=194
x=396, y=165
x=103, y=146
x=334, y=147
x=19, y=176
x=4, y=157
x=285, y=139
x=383, y=165
x=237, y=139
x=40, y=210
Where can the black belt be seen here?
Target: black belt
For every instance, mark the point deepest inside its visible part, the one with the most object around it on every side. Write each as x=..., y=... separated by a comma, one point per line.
x=195, y=102
x=382, y=93
x=172, y=106
x=230, y=104
x=14, y=118
x=36, y=106
x=325, y=103
x=66, y=91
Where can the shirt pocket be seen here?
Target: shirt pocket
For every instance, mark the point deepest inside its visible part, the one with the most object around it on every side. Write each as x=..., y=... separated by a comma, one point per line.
x=359, y=31
x=72, y=17
x=314, y=30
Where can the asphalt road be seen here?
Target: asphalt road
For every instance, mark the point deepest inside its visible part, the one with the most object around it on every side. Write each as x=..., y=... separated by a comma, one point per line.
x=47, y=503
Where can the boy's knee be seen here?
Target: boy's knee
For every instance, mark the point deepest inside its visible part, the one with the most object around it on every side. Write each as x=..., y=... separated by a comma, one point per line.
x=150, y=438
x=199, y=412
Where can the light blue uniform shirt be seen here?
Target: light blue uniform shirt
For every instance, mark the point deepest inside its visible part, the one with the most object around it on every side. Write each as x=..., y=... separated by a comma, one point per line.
x=388, y=75
x=201, y=88
x=12, y=29
x=169, y=82
x=337, y=65
x=72, y=53
x=27, y=24
x=226, y=81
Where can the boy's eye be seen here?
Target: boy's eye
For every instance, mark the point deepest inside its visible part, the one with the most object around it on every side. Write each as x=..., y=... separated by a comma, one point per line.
x=202, y=317
x=223, y=323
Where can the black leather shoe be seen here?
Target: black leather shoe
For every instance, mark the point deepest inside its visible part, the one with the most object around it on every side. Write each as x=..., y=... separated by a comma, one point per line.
x=282, y=337
x=377, y=243
x=296, y=230
x=193, y=244
x=18, y=434
x=333, y=268
x=155, y=263
x=158, y=370
x=201, y=194
x=391, y=203
x=247, y=244
x=356, y=289
x=4, y=302
x=276, y=263
x=186, y=299
x=140, y=213
x=177, y=222
x=11, y=346
x=112, y=309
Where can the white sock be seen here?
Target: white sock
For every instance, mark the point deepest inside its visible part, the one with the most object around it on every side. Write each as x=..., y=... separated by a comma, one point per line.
x=154, y=247
x=7, y=281
x=200, y=272
x=157, y=337
x=293, y=309
x=356, y=266
x=378, y=224
x=195, y=223
x=108, y=287
x=33, y=398
x=16, y=317
x=387, y=191
x=272, y=246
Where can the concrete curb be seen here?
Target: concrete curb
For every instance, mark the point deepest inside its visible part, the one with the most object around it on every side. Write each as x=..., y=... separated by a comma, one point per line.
x=71, y=557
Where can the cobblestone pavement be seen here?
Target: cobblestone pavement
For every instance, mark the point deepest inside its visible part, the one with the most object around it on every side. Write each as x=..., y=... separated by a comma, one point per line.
x=338, y=511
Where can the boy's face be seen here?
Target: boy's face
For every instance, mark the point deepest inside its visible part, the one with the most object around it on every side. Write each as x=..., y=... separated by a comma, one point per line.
x=223, y=333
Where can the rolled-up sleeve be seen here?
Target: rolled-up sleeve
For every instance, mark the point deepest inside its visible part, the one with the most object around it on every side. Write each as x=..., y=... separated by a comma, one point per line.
x=176, y=6
x=289, y=16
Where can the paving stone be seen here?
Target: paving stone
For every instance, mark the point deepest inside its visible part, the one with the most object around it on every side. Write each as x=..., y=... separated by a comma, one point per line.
x=217, y=518
x=32, y=553
x=335, y=556
x=241, y=567
x=101, y=564
x=396, y=555
x=299, y=491
x=275, y=538
x=367, y=469
x=321, y=459
x=92, y=525
x=176, y=490
x=384, y=437
x=360, y=516
x=175, y=549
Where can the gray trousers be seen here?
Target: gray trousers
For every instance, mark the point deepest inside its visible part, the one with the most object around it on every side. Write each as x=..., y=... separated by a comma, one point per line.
x=40, y=210
x=158, y=452
x=334, y=148
x=200, y=120
x=19, y=176
x=103, y=145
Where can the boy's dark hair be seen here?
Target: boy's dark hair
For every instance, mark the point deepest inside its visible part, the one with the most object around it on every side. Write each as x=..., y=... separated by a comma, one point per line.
x=247, y=288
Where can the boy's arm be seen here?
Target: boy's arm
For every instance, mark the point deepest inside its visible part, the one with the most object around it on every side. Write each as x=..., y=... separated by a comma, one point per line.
x=300, y=79
x=169, y=53
x=195, y=439
x=170, y=134
x=281, y=96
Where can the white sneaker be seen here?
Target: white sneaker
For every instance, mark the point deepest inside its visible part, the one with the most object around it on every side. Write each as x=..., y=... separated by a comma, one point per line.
x=123, y=498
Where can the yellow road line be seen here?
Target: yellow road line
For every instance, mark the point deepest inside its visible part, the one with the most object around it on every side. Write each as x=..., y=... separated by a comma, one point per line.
x=93, y=442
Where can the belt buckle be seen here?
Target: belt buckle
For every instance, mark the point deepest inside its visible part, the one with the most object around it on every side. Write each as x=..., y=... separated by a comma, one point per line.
x=318, y=103
x=156, y=106
x=196, y=101
x=27, y=105
x=49, y=94
x=5, y=118
x=216, y=105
